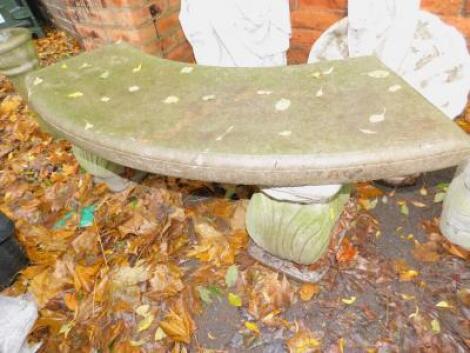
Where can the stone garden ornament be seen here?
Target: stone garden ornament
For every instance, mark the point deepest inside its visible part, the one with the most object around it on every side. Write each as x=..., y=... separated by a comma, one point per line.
x=243, y=33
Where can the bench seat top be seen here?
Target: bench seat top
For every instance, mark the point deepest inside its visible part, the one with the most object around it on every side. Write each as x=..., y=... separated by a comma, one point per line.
x=324, y=123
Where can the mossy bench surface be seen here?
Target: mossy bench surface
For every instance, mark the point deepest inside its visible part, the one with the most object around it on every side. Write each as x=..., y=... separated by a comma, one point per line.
x=323, y=123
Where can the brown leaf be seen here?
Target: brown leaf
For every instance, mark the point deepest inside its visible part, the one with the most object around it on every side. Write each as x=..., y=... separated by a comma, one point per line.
x=308, y=291
x=426, y=252
x=178, y=324
x=347, y=252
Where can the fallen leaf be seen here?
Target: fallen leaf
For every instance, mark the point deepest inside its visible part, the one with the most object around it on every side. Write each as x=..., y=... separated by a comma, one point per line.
x=187, y=70
x=253, y=327
x=234, y=300
x=75, y=95
x=231, y=276
x=171, y=100
x=208, y=97
x=347, y=252
x=404, y=210
x=204, y=294
x=349, y=301
x=145, y=323
x=142, y=310
x=37, y=81
x=283, y=104
x=104, y=75
x=394, y=88
x=379, y=74
x=178, y=324
x=377, y=118
x=303, y=341
x=439, y=197
x=159, y=334
x=308, y=291
x=443, y=304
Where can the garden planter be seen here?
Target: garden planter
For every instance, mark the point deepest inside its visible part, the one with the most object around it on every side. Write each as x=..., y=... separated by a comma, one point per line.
x=17, y=56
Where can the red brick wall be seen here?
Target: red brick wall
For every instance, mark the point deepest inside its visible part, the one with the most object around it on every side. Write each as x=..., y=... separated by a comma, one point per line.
x=312, y=17
x=151, y=25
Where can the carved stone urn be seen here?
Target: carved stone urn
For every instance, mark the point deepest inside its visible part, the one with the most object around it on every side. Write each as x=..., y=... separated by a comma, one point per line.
x=17, y=55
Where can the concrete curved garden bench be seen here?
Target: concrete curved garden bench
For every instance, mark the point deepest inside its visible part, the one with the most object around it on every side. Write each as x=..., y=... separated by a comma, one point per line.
x=285, y=126
x=317, y=124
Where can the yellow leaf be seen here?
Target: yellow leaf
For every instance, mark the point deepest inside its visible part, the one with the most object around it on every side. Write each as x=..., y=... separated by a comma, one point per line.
x=159, y=334
x=302, y=342
x=145, y=323
x=234, y=300
x=408, y=275
x=137, y=68
x=341, y=344
x=308, y=291
x=137, y=343
x=142, y=310
x=443, y=304
x=407, y=297
x=411, y=316
x=435, y=326
x=252, y=326
x=75, y=95
x=10, y=104
x=349, y=301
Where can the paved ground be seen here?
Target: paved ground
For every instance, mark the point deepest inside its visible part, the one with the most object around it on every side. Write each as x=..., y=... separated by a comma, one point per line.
x=383, y=307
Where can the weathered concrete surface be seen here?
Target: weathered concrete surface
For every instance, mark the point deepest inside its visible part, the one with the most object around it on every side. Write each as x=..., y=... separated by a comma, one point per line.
x=455, y=219
x=17, y=55
x=291, y=231
x=324, y=123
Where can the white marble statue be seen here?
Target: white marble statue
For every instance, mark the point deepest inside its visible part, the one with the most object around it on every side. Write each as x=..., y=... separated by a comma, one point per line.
x=237, y=33
x=429, y=54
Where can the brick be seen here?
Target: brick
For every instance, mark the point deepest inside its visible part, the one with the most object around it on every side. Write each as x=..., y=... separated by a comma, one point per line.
x=127, y=17
x=123, y=3
x=169, y=23
x=91, y=32
x=293, y=4
x=314, y=19
x=297, y=56
x=141, y=34
x=172, y=41
x=461, y=23
x=174, y=4
x=180, y=53
x=443, y=7
x=154, y=48
x=304, y=37
x=91, y=44
x=338, y=5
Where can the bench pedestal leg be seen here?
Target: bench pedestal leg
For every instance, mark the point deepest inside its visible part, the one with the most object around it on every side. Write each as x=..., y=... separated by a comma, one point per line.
x=455, y=219
x=296, y=232
x=102, y=169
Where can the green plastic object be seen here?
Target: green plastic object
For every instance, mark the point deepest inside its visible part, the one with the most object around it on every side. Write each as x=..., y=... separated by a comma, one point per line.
x=17, y=56
x=16, y=13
